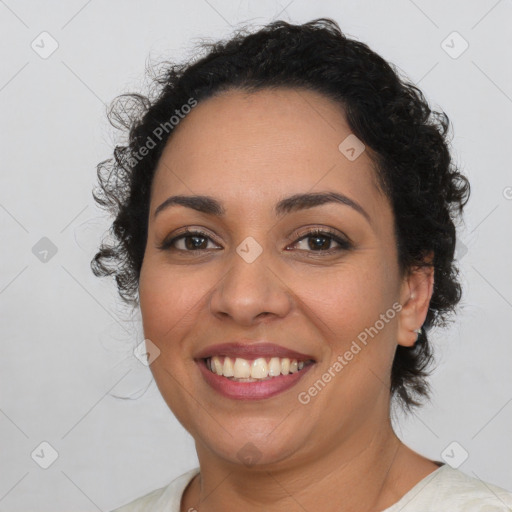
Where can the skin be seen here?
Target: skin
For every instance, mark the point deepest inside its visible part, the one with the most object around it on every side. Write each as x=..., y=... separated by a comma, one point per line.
x=338, y=452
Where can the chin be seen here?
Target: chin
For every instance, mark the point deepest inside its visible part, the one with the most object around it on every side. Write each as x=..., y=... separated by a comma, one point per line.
x=262, y=446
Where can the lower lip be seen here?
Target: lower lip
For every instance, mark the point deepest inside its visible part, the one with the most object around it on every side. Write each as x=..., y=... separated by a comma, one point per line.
x=251, y=390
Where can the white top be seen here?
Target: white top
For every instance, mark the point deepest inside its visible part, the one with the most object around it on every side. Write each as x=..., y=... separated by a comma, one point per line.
x=445, y=489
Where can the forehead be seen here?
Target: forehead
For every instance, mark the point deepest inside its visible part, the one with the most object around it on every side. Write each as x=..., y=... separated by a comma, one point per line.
x=241, y=147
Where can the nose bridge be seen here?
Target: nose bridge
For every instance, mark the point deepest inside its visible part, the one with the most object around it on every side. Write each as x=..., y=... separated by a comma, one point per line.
x=250, y=285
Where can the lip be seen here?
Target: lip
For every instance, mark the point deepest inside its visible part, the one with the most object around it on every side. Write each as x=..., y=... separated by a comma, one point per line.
x=248, y=350
x=251, y=390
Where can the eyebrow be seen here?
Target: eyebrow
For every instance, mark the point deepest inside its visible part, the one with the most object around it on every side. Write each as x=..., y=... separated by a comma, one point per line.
x=210, y=206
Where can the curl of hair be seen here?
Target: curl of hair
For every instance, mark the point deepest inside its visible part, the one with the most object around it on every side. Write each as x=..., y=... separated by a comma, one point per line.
x=406, y=140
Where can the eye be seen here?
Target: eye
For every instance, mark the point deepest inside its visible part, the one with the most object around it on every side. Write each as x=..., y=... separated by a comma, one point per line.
x=188, y=241
x=320, y=240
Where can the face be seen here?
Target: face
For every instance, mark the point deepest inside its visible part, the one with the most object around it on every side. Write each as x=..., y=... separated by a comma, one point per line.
x=316, y=277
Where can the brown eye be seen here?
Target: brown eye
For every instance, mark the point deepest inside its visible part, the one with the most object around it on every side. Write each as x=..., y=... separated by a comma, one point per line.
x=321, y=241
x=192, y=242
x=189, y=241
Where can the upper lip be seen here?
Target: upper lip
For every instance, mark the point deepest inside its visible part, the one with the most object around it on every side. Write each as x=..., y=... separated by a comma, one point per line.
x=247, y=350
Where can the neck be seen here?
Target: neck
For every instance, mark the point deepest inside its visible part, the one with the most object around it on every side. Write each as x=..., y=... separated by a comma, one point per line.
x=361, y=473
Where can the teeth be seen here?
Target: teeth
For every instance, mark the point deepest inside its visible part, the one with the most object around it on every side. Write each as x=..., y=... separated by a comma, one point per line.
x=217, y=366
x=274, y=367
x=227, y=369
x=242, y=368
x=257, y=369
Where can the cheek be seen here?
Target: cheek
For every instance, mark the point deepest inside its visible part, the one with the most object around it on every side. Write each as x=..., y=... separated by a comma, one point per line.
x=346, y=298
x=352, y=310
x=169, y=302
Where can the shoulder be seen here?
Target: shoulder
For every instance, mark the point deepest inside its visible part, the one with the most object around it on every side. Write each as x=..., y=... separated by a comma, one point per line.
x=452, y=489
x=166, y=498
x=474, y=494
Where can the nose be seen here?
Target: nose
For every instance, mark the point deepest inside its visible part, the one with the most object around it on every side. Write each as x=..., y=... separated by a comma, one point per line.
x=250, y=291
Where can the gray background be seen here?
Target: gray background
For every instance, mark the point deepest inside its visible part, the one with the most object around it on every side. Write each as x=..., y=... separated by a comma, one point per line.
x=66, y=339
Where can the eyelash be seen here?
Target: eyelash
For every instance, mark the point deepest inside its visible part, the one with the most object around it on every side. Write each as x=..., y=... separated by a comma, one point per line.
x=325, y=233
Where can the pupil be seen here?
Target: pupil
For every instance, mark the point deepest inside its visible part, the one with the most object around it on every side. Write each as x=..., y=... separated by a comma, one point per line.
x=194, y=245
x=321, y=246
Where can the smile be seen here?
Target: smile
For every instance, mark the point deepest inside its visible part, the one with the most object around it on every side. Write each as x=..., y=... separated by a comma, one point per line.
x=255, y=379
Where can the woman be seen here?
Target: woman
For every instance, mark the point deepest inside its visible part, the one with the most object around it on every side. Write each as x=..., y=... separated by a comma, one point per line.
x=285, y=221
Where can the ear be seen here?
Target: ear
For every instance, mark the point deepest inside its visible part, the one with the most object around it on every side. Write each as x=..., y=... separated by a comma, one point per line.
x=415, y=294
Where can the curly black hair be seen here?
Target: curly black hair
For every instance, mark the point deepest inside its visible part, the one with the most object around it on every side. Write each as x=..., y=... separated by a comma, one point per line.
x=406, y=138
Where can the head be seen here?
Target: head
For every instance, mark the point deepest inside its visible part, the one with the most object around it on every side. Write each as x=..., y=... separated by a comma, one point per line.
x=333, y=174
